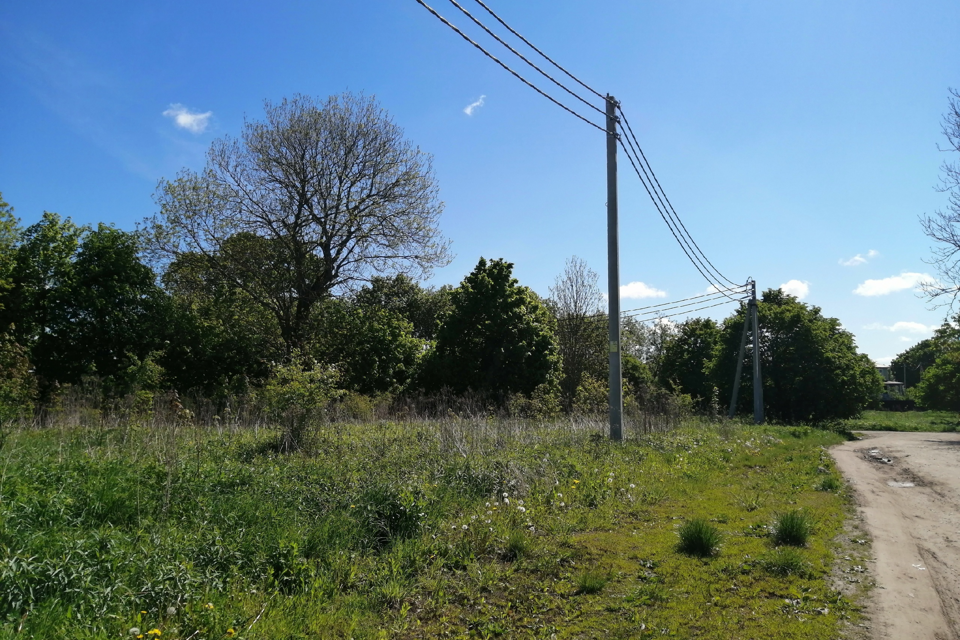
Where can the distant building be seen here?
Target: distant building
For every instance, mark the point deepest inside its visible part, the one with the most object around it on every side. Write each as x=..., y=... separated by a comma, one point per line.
x=885, y=373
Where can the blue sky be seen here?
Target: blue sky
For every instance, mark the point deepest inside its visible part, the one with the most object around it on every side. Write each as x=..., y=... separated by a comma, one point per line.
x=797, y=140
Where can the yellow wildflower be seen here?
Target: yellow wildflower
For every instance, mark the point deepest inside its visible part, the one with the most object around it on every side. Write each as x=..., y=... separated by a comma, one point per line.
x=230, y=632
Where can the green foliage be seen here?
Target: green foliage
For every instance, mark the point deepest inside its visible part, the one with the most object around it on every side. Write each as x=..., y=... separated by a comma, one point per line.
x=792, y=528
x=373, y=348
x=940, y=386
x=295, y=395
x=812, y=371
x=9, y=238
x=18, y=385
x=423, y=308
x=219, y=336
x=829, y=483
x=687, y=356
x=497, y=340
x=698, y=538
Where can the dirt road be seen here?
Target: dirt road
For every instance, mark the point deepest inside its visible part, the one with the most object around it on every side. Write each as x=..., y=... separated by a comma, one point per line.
x=908, y=491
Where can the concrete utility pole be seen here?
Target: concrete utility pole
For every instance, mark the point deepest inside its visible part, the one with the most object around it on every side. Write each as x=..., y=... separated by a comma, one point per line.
x=757, y=379
x=613, y=276
x=736, y=380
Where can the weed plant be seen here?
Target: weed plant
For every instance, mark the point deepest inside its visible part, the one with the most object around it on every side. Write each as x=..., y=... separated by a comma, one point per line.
x=420, y=529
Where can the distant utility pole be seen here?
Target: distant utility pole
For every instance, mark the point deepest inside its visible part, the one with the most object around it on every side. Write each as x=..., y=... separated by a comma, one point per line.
x=757, y=379
x=750, y=319
x=613, y=276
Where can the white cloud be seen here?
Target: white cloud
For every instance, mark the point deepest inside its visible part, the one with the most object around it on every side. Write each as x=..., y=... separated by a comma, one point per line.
x=860, y=259
x=906, y=280
x=473, y=106
x=189, y=120
x=798, y=288
x=637, y=290
x=902, y=327
x=883, y=362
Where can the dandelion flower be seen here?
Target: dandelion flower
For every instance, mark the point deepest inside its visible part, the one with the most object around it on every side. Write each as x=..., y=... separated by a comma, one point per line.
x=171, y=611
x=154, y=632
x=521, y=510
x=464, y=527
x=209, y=605
x=559, y=495
x=134, y=631
x=230, y=632
x=633, y=486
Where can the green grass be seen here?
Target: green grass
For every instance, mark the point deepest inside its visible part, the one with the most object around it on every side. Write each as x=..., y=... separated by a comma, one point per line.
x=792, y=528
x=698, y=538
x=906, y=421
x=413, y=530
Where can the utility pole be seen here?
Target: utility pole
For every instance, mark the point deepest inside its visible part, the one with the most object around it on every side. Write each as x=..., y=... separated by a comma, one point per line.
x=757, y=380
x=615, y=397
x=736, y=380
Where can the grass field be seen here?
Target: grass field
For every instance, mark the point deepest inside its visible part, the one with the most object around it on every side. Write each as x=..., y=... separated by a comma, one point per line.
x=906, y=421
x=420, y=530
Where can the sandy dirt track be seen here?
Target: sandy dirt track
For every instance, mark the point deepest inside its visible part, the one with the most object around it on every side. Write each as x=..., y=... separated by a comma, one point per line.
x=907, y=487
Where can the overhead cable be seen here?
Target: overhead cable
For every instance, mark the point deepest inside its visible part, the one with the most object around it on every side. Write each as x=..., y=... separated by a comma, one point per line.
x=669, y=306
x=665, y=219
x=545, y=56
x=521, y=56
x=657, y=182
x=512, y=72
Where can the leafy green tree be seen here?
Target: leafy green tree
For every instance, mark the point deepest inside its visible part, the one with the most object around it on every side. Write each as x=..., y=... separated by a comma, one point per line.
x=106, y=317
x=373, y=348
x=220, y=340
x=498, y=339
x=687, y=357
x=42, y=267
x=305, y=204
x=810, y=365
x=921, y=356
x=423, y=308
x=940, y=386
x=9, y=238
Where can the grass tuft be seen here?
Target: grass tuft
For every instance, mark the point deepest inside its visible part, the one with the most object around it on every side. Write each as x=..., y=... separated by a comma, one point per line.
x=829, y=483
x=786, y=562
x=698, y=538
x=792, y=528
x=591, y=581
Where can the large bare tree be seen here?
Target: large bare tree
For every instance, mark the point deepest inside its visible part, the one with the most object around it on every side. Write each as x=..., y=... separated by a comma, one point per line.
x=306, y=203
x=577, y=302
x=944, y=225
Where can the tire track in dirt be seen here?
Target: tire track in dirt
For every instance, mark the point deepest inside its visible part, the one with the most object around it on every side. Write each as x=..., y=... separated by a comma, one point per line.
x=907, y=487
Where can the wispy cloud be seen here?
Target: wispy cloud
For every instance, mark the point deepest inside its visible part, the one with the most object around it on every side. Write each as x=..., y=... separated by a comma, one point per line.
x=902, y=327
x=639, y=290
x=473, y=106
x=798, y=288
x=192, y=121
x=906, y=280
x=860, y=259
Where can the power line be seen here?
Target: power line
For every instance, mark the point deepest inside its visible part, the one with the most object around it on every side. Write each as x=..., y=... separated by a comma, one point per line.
x=679, y=306
x=669, y=306
x=712, y=294
x=512, y=72
x=658, y=202
x=680, y=313
x=545, y=56
x=520, y=55
x=640, y=149
x=667, y=221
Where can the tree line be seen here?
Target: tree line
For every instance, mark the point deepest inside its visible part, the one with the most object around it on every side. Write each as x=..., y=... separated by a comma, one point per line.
x=292, y=264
